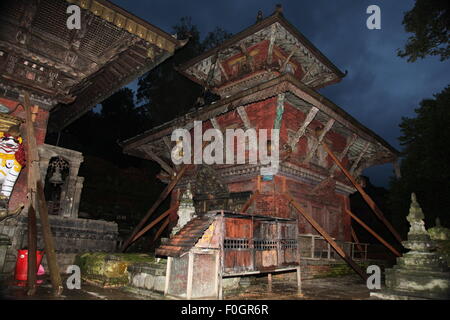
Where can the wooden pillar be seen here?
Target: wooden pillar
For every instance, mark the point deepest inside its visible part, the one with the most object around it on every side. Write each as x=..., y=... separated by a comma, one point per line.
x=269, y=282
x=39, y=197
x=190, y=275
x=328, y=251
x=299, y=280
x=32, y=245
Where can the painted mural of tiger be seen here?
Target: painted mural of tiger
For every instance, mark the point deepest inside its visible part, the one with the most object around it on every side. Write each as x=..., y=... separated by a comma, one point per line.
x=12, y=159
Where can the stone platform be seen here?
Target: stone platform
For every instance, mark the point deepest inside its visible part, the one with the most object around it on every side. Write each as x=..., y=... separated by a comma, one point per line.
x=71, y=236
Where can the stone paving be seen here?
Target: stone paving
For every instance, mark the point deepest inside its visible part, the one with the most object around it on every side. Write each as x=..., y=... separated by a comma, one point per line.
x=348, y=287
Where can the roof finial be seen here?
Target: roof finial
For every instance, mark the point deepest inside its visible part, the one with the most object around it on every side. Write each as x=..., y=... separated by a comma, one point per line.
x=279, y=9
x=259, y=17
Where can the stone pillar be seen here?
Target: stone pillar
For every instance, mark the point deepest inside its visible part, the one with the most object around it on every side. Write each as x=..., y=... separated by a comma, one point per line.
x=77, y=197
x=71, y=190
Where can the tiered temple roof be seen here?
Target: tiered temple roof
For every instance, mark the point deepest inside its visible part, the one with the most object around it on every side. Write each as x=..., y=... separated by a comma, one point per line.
x=267, y=59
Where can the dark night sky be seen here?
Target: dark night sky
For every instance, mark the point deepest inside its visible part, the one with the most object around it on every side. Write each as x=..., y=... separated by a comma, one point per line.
x=380, y=87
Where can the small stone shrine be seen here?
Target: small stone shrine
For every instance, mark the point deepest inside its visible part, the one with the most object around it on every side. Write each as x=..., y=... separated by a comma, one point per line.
x=186, y=210
x=421, y=273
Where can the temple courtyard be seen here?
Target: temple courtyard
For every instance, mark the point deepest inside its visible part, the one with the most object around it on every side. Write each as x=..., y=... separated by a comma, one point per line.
x=347, y=287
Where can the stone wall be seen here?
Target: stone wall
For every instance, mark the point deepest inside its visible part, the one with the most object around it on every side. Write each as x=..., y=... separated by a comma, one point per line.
x=71, y=236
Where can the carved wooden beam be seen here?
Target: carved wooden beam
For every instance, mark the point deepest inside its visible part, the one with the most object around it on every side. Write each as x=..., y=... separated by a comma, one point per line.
x=358, y=160
x=219, y=62
x=280, y=110
x=344, y=153
x=244, y=117
x=150, y=152
x=310, y=117
x=249, y=58
x=314, y=147
x=212, y=69
x=283, y=68
x=271, y=43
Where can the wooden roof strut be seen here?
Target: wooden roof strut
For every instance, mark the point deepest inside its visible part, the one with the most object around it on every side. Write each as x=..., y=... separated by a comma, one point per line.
x=365, y=196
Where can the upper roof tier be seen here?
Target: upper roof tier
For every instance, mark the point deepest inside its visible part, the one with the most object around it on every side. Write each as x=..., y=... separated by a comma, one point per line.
x=261, y=52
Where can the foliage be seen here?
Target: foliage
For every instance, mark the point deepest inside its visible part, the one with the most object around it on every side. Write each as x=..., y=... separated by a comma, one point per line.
x=425, y=167
x=429, y=21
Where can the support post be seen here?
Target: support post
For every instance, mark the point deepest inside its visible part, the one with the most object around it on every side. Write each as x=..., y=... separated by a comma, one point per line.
x=50, y=250
x=343, y=153
x=299, y=280
x=161, y=229
x=32, y=247
x=301, y=131
x=269, y=282
x=36, y=184
x=365, y=196
x=154, y=222
x=328, y=251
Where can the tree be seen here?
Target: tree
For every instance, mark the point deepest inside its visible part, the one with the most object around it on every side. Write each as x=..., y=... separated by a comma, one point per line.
x=166, y=93
x=429, y=21
x=425, y=167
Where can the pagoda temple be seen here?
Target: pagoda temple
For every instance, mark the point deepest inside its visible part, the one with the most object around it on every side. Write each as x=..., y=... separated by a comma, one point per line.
x=267, y=77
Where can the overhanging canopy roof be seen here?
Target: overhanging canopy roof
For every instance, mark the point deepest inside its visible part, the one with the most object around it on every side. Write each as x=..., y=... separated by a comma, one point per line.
x=70, y=71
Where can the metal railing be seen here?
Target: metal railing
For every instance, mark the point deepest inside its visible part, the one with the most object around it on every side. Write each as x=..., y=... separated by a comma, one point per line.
x=316, y=247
